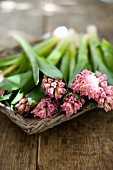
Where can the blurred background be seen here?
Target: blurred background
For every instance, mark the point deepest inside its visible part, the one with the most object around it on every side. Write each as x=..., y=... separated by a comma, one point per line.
x=33, y=18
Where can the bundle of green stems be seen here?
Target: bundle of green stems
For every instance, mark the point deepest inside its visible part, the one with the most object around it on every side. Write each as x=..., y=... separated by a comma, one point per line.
x=57, y=58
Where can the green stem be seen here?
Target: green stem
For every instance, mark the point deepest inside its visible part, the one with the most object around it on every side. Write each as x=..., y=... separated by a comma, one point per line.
x=42, y=48
x=10, y=69
x=107, y=50
x=82, y=58
x=93, y=41
x=72, y=60
x=97, y=55
x=58, y=52
x=64, y=66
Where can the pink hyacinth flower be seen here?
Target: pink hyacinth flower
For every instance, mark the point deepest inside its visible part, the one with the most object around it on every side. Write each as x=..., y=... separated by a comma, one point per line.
x=106, y=98
x=46, y=108
x=54, y=88
x=94, y=86
x=72, y=104
x=23, y=105
x=87, y=84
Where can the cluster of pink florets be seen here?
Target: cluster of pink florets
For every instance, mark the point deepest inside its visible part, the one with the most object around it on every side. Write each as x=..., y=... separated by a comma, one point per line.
x=46, y=108
x=54, y=88
x=94, y=86
x=105, y=97
x=49, y=105
x=23, y=106
x=86, y=85
x=72, y=104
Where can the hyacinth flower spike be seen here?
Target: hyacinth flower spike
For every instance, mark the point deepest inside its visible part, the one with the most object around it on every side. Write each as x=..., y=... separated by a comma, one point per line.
x=23, y=105
x=94, y=86
x=54, y=88
x=46, y=108
x=105, y=98
x=72, y=104
x=87, y=84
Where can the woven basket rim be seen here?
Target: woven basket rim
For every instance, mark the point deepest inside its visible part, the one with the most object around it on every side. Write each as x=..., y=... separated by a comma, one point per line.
x=35, y=125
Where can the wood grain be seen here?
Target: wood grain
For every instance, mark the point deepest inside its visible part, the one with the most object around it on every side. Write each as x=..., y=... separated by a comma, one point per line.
x=18, y=151
x=85, y=143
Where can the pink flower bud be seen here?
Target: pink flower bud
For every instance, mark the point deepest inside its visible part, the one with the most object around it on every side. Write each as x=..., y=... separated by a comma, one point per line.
x=46, y=108
x=23, y=105
x=54, y=88
x=72, y=104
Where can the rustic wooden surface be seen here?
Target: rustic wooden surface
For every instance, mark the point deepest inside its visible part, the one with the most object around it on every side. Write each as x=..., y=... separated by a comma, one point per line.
x=85, y=143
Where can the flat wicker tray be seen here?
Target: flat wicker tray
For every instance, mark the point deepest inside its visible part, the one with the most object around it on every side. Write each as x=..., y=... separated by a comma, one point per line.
x=34, y=125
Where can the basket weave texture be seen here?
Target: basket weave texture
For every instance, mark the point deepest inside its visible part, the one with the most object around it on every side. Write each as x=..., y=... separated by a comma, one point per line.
x=34, y=125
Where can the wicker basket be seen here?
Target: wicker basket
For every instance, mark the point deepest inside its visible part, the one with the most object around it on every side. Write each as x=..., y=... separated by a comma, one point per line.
x=34, y=125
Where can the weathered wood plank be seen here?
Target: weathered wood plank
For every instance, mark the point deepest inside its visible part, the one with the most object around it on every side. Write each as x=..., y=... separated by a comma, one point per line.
x=85, y=143
x=18, y=151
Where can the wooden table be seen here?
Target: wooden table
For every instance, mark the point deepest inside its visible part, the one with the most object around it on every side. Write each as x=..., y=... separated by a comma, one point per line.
x=84, y=143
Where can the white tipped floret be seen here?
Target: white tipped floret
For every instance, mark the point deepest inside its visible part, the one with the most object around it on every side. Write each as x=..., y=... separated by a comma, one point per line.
x=84, y=37
x=61, y=32
x=91, y=29
x=73, y=37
